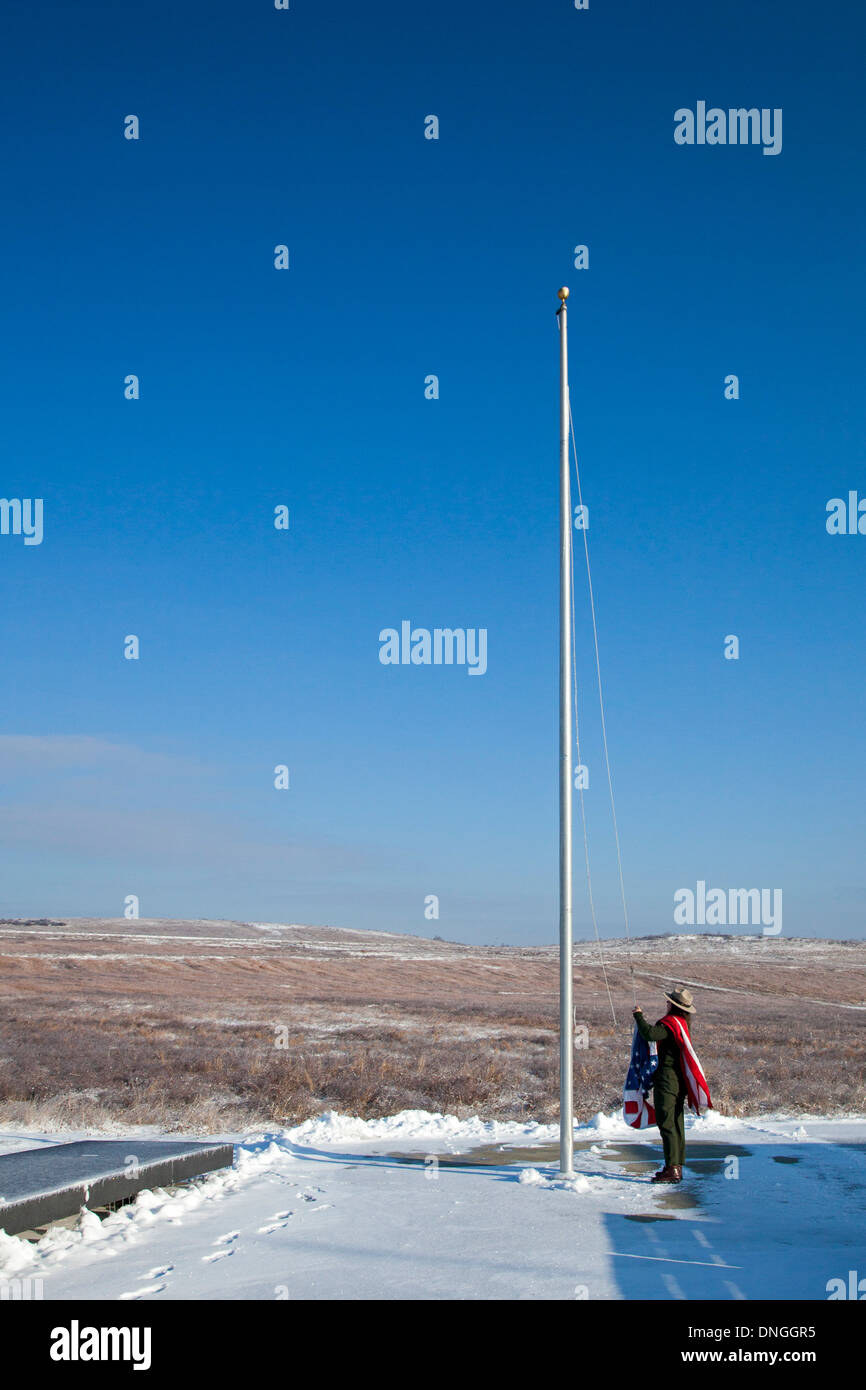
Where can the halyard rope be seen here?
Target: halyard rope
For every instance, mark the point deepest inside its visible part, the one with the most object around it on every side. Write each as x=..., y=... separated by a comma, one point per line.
x=580, y=788
x=754, y=993
x=603, y=722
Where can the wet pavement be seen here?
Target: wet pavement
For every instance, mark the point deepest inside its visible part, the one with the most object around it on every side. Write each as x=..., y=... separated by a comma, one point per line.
x=633, y=1160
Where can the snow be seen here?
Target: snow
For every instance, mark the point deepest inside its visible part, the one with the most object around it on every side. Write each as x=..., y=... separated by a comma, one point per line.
x=329, y=1209
x=414, y=1125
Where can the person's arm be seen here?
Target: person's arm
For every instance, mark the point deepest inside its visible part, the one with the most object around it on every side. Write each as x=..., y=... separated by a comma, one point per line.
x=650, y=1032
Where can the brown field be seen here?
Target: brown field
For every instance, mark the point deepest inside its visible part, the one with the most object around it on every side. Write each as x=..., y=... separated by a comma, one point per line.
x=222, y=1025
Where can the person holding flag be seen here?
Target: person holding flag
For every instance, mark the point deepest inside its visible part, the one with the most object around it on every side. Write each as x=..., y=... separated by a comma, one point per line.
x=676, y=1077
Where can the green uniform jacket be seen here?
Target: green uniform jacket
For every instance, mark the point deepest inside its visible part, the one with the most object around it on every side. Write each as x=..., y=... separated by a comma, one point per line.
x=669, y=1074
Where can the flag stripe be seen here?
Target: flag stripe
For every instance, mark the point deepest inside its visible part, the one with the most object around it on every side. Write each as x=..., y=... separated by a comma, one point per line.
x=696, y=1083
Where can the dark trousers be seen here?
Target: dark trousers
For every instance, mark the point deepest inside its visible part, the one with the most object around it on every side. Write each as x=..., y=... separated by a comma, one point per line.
x=669, y=1107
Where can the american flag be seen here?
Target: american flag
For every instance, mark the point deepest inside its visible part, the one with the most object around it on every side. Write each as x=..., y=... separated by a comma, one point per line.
x=696, y=1083
x=636, y=1108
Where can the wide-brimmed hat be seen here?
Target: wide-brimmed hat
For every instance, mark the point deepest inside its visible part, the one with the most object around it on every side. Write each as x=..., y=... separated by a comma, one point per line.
x=682, y=998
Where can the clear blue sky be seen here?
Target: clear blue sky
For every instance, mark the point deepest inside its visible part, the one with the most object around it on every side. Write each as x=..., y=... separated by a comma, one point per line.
x=306, y=387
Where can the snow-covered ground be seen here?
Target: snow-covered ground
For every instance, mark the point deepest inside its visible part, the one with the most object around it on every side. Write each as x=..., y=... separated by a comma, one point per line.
x=773, y=1208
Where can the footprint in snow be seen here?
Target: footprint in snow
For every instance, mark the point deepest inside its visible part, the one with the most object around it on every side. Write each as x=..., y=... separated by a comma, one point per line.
x=158, y=1273
x=227, y=1240
x=141, y=1293
x=276, y=1225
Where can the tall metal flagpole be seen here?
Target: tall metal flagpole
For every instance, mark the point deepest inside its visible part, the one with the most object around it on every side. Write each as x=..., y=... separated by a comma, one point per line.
x=566, y=1019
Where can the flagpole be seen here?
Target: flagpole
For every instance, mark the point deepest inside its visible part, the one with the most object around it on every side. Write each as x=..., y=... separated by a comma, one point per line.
x=566, y=1018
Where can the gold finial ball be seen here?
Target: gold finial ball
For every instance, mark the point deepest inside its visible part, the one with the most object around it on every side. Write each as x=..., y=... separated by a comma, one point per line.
x=563, y=293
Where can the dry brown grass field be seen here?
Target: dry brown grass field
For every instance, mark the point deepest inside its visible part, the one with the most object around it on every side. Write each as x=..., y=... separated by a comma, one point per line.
x=211, y=1026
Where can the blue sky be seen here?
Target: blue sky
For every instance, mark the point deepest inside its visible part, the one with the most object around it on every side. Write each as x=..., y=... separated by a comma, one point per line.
x=305, y=387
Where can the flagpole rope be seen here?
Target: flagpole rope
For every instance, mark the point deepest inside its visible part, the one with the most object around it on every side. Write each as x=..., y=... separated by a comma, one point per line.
x=649, y=975
x=580, y=788
x=601, y=707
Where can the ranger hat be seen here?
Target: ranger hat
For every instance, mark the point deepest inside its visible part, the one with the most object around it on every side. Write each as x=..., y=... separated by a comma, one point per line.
x=682, y=998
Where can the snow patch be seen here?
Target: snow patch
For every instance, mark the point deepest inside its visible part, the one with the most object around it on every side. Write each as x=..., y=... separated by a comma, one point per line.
x=533, y=1177
x=608, y=1124
x=334, y=1128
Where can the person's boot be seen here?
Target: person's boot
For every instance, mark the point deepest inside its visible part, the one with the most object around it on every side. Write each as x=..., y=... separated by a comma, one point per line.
x=667, y=1174
x=677, y=1171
